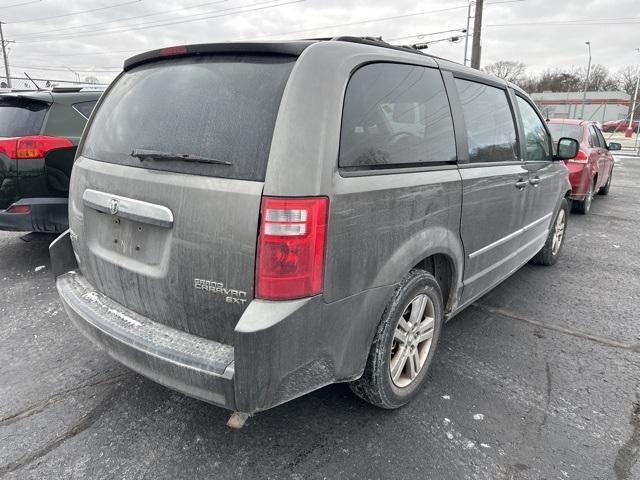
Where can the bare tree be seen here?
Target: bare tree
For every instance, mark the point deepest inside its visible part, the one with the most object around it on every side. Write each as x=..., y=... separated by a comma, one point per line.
x=627, y=78
x=507, y=69
x=600, y=79
x=559, y=81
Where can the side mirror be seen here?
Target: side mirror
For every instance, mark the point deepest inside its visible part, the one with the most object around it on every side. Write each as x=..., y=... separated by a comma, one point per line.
x=567, y=148
x=614, y=146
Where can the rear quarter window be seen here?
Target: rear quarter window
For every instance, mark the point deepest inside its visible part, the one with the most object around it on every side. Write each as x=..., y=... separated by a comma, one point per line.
x=84, y=108
x=396, y=115
x=221, y=107
x=21, y=117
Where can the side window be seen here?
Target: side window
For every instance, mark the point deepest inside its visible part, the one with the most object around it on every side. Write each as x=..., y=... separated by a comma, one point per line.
x=84, y=108
x=491, y=133
x=537, y=141
x=594, y=141
x=396, y=114
x=601, y=140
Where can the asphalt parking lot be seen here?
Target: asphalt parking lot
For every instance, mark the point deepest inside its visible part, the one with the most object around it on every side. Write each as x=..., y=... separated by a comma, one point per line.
x=540, y=379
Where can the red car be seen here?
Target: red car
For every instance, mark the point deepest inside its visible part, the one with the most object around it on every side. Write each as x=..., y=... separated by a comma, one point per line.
x=619, y=126
x=590, y=171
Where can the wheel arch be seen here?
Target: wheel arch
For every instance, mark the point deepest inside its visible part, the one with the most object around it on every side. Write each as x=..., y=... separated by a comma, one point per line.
x=437, y=250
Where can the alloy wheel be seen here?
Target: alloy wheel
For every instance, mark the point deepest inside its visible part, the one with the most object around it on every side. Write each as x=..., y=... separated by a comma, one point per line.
x=558, y=232
x=412, y=340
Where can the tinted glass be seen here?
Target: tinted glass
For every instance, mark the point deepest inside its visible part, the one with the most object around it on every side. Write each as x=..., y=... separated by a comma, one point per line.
x=220, y=107
x=84, y=108
x=536, y=138
x=559, y=130
x=396, y=114
x=601, y=140
x=20, y=117
x=491, y=133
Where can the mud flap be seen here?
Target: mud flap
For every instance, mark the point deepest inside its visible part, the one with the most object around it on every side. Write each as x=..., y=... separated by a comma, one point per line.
x=63, y=258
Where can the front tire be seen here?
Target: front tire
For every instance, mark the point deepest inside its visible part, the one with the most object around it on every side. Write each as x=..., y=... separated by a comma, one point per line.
x=404, y=344
x=555, y=240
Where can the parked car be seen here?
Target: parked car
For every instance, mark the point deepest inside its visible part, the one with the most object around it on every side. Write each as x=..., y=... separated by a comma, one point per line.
x=246, y=242
x=591, y=170
x=619, y=126
x=39, y=131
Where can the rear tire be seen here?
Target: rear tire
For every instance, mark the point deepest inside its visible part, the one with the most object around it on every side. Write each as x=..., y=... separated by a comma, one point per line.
x=584, y=206
x=605, y=190
x=404, y=344
x=555, y=240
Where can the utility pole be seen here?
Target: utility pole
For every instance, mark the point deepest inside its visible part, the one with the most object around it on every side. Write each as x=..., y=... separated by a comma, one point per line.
x=466, y=37
x=629, y=131
x=586, y=83
x=4, y=55
x=477, y=31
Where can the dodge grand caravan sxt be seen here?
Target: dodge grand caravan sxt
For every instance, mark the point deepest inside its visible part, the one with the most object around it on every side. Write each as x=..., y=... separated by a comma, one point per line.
x=250, y=222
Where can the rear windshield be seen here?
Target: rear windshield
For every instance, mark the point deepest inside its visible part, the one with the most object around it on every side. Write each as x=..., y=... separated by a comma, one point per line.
x=218, y=107
x=20, y=117
x=559, y=130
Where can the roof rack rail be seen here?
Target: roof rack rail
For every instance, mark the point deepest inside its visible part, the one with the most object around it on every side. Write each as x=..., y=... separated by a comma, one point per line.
x=376, y=41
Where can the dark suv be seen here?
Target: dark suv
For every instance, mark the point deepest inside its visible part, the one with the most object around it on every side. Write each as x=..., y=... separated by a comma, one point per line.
x=300, y=213
x=39, y=131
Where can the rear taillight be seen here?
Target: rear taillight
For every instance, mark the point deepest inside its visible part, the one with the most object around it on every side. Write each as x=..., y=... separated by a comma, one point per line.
x=19, y=209
x=581, y=157
x=291, y=247
x=36, y=146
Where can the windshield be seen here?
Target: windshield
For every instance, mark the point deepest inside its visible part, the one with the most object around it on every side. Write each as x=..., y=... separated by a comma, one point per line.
x=20, y=117
x=559, y=130
x=220, y=107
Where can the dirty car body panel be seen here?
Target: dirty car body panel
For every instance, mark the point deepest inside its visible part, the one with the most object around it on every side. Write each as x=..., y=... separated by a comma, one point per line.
x=163, y=264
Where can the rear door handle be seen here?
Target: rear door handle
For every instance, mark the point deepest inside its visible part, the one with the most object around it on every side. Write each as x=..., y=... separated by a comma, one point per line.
x=520, y=184
x=535, y=181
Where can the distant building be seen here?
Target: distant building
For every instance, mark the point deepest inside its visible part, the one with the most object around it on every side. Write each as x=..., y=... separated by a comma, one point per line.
x=600, y=106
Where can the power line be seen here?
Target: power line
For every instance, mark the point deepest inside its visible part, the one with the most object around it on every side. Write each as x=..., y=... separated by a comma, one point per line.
x=57, y=81
x=65, y=69
x=20, y=4
x=586, y=21
x=31, y=20
x=115, y=52
x=122, y=19
x=349, y=24
x=374, y=20
x=256, y=6
x=422, y=35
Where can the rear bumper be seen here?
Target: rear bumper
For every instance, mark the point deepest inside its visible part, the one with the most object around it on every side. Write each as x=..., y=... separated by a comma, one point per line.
x=580, y=178
x=201, y=368
x=281, y=350
x=47, y=214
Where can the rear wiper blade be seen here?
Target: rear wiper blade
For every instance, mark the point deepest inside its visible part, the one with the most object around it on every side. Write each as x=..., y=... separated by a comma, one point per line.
x=143, y=154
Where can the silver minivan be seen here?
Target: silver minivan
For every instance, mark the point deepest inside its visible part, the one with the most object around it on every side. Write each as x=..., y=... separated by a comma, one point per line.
x=252, y=221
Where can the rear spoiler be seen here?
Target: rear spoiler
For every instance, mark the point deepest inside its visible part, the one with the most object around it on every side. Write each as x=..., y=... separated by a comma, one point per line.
x=294, y=48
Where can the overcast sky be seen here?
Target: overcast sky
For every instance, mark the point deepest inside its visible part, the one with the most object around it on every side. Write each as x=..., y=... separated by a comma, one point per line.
x=93, y=37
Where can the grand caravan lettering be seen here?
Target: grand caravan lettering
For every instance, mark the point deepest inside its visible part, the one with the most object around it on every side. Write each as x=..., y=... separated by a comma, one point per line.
x=231, y=294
